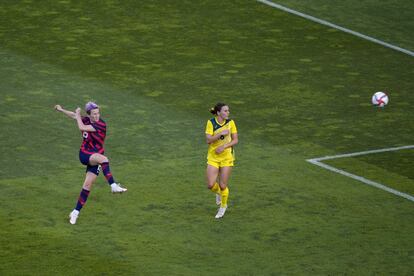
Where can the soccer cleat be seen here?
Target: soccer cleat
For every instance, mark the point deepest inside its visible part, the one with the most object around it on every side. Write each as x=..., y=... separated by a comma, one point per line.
x=116, y=188
x=221, y=212
x=73, y=216
x=218, y=199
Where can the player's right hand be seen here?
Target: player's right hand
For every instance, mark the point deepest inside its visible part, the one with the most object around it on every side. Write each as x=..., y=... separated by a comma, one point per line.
x=58, y=107
x=225, y=132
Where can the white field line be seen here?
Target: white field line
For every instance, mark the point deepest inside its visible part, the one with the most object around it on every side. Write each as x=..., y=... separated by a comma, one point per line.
x=316, y=161
x=326, y=23
x=363, y=153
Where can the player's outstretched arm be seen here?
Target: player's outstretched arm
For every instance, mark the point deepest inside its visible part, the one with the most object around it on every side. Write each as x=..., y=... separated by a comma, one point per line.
x=68, y=113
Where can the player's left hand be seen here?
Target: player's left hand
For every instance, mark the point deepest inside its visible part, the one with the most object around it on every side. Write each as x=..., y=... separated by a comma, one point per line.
x=219, y=149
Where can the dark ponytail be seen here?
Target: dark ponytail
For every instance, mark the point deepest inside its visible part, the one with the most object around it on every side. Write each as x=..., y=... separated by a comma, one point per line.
x=217, y=108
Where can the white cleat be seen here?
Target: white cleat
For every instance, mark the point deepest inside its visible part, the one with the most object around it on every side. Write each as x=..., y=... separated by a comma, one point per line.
x=116, y=188
x=218, y=199
x=221, y=212
x=73, y=216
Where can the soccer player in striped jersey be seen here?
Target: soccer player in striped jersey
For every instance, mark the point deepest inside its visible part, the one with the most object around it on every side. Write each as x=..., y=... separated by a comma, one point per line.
x=221, y=136
x=91, y=153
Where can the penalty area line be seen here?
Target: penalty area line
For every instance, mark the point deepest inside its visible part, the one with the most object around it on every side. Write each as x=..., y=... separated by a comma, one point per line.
x=316, y=161
x=326, y=23
x=363, y=153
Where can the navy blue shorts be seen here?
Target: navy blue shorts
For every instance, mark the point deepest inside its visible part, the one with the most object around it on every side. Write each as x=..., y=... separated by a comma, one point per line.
x=84, y=159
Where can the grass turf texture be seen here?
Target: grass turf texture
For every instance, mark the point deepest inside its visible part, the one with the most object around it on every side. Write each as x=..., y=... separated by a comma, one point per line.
x=297, y=90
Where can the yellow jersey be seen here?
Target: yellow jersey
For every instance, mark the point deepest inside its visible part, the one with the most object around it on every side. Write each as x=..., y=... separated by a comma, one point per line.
x=213, y=127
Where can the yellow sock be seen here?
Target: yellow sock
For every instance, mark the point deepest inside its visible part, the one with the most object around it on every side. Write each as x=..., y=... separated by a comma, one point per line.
x=215, y=188
x=224, y=196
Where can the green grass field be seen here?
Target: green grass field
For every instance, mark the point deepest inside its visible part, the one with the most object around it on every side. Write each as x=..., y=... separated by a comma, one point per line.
x=296, y=89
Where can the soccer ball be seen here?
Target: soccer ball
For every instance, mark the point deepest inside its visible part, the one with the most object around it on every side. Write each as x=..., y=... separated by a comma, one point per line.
x=380, y=99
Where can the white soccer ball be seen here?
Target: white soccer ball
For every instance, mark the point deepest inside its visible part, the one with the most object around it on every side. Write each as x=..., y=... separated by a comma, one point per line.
x=380, y=99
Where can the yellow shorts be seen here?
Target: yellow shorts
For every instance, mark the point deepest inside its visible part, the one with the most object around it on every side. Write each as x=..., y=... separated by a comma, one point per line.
x=222, y=163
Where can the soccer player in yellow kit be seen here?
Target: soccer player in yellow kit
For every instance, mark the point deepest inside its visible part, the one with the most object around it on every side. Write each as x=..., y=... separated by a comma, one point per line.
x=221, y=135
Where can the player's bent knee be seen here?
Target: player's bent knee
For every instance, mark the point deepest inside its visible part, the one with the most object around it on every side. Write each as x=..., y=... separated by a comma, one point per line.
x=210, y=185
x=87, y=187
